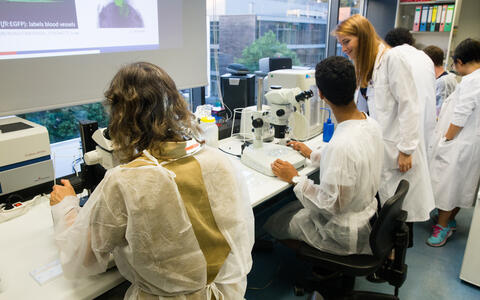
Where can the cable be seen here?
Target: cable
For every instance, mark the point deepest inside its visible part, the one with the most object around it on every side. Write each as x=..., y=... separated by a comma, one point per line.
x=268, y=283
x=237, y=155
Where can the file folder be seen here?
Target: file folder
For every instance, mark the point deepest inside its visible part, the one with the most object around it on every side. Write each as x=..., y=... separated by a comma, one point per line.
x=416, y=19
x=434, y=18
x=449, y=17
x=423, y=21
x=442, y=20
x=439, y=18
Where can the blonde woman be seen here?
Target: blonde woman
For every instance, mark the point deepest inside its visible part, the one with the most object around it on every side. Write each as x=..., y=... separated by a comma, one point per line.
x=392, y=101
x=179, y=226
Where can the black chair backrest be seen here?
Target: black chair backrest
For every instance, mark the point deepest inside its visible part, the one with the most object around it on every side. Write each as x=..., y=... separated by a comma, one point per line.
x=383, y=231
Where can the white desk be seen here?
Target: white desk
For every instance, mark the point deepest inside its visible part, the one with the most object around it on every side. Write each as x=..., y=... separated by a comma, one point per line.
x=26, y=242
x=262, y=187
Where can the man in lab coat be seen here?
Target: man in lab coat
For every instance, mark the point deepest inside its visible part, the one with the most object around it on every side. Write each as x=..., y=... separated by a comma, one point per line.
x=335, y=216
x=401, y=40
x=445, y=82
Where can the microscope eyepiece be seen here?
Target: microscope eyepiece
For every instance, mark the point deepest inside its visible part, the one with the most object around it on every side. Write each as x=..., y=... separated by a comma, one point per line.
x=304, y=95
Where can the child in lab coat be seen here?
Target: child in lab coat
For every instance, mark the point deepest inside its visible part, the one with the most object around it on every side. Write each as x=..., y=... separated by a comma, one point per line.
x=455, y=160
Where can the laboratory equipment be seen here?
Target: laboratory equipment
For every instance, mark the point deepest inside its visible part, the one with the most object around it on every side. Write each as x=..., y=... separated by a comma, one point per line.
x=210, y=131
x=268, y=64
x=328, y=127
x=307, y=119
x=246, y=127
x=284, y=102
x=103, y=153
x=238, y=90
x=26, y=167
x=259, y=155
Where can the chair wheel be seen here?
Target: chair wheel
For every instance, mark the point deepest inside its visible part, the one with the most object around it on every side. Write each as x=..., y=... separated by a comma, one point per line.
x=298, y=291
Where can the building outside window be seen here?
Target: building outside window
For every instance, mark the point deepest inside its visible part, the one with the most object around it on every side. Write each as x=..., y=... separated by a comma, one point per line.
x=246, y=31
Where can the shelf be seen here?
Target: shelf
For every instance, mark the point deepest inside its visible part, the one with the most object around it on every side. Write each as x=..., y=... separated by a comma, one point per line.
x=428, y=2
x=427, y=32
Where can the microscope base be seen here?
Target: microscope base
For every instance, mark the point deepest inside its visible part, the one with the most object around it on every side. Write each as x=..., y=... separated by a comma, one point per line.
x=260, y=158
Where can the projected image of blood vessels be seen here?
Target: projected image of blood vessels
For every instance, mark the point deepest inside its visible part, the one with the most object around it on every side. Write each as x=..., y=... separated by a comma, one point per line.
x=119, y=14
x=38, y=14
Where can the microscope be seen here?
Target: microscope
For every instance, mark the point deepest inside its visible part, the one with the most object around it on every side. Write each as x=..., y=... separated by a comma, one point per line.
x=259, y=156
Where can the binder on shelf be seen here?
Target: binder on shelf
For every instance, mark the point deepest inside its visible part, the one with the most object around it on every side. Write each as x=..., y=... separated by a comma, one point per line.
x=423, y=21
x=429, y=18
x=416, y=19
x=434, y=18
x=439, y=17
x=449, y=18
x=442, y=20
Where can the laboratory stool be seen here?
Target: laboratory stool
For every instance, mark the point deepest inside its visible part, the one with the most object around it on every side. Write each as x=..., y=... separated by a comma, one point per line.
x=388, y=232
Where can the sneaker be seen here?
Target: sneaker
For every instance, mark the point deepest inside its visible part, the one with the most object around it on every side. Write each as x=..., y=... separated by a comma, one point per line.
x=439, y=236
x=452, y=224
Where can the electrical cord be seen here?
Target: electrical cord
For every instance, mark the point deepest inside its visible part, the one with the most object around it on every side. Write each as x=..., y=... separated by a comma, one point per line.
x=269, y=283
x=237, y=155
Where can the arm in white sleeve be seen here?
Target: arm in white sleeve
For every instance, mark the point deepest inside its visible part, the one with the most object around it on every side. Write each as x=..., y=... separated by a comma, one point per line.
x=403, y=89
x=85, y=237
x=336, y=188
x=467, y=103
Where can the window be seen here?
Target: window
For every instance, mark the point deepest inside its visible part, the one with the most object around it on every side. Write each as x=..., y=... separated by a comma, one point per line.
x=346, y=9
x=245, y=31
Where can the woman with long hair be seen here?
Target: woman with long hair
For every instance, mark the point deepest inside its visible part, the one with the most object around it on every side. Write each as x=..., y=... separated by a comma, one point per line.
x=387, y=80
x=178, y=223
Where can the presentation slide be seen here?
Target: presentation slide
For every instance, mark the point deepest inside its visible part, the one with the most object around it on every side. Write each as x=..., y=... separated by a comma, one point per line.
x=45, y=28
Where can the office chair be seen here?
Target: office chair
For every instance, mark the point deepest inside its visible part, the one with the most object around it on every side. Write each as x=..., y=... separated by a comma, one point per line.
x=388, y=232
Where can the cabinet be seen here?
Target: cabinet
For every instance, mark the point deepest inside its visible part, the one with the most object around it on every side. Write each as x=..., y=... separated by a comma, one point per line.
x=464, y=23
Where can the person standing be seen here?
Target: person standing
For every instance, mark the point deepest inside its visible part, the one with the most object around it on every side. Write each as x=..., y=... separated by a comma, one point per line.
x=423, y=71
x=393, y=102
x=455, y=163
x=445, y=82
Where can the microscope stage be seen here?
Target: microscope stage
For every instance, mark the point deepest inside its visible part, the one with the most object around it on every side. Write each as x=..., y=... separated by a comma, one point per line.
x=260, y=158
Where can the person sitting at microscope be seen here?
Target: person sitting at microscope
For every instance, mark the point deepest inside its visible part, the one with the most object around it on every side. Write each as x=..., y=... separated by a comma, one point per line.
x=174, y=231
x=336, y=215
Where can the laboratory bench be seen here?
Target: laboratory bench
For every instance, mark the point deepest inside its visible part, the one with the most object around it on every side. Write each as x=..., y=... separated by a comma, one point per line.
x=28, y=249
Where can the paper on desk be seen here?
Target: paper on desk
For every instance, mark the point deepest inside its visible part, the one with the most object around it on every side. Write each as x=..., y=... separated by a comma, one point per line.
x=47, y=272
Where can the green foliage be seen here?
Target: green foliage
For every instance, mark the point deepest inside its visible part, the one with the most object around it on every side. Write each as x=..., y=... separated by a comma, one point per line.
x=265, y=46
x=62, y=124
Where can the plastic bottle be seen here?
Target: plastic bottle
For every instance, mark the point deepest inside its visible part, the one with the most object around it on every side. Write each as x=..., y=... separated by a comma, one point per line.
x=328, y=127
x=210, y=131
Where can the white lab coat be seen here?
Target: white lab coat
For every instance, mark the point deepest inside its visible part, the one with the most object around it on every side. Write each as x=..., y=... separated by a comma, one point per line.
x=455, y=165
x=137, y=214
x=393, y=102
x=334, y=215
x=444, y=86
x=423, y=72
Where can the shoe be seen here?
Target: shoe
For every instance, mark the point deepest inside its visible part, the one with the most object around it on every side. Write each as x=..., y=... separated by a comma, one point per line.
x=439, y=236
x=452, y=224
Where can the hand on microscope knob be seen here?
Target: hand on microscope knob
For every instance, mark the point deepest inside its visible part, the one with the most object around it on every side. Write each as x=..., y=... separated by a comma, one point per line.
x=300, y=147
x=284, y=170
x=61, y=191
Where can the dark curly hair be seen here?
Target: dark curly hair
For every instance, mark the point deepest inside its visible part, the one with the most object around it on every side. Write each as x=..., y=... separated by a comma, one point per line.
x=145, y=109
x=335, y=78
x=399, y=36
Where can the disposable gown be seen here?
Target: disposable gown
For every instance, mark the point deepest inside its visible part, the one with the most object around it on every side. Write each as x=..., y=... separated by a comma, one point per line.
x=334, y=215
x=393, y=102
x=423, y=72
x=455, y=164
x=444, y=86
x=138, y=214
